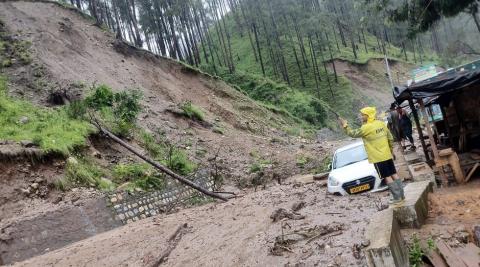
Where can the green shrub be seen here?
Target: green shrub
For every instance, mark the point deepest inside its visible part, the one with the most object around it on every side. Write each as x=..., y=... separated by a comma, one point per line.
x=191, y=111
x=102, y=96
x=415, y=252
x=77, y=109
x=117, y=111
x=256, y=167
x=127, y=106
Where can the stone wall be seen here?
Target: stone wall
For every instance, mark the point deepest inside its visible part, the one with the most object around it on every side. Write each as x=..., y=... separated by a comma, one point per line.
x=133, y=206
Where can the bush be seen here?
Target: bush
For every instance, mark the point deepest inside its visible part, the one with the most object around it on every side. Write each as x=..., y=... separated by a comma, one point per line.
x=191, y=111
x=102, y=96
x=118, y=111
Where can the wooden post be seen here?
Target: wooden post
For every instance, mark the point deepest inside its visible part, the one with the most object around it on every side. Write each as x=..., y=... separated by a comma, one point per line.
x=436, y=156
x=419, y=129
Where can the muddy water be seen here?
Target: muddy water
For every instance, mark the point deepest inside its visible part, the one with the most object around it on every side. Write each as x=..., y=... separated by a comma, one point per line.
x=49, y=230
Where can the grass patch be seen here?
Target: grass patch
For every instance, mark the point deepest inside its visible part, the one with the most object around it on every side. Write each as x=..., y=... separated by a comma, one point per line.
x=191, y=111
x=138, y=175
x=51, y=129
x=84, y=172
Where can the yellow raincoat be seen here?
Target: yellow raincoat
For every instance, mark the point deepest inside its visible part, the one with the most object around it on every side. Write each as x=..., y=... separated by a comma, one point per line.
x=376, y=137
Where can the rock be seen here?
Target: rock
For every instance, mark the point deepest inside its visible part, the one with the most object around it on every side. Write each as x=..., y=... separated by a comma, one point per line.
x=365, y=243
x=23, y=120
x=39, y=180
x=57, y=200
x=476, y=234
x=281, y=213
x=298, y=206
x=27, y=143
x=461, y=235
x=26, y=191
x=96, y=154
x=34, y=185
x=72, y=161
x=113, y=200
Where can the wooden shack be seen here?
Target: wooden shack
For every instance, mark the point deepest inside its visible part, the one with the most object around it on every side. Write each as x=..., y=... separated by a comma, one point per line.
x=453, y=142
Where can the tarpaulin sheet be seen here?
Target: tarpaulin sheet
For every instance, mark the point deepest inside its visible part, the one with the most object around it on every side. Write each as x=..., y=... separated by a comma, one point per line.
x=444, y=83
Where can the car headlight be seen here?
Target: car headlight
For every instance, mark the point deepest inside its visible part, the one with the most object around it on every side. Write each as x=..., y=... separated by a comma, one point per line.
x=332, y=181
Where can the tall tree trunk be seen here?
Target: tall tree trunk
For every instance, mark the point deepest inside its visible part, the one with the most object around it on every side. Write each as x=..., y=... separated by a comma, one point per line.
x=300, y=41
x=320, y=41
x=331, y=58
x=404, y=51
x=295, y=54
x=315, y=67
x=133, y=16
x=255, y=31
x=93, y=11
x=364, y=41
x=474, y=12
x=279, y=45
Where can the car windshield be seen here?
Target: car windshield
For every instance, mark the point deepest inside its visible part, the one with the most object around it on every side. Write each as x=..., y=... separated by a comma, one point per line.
x=350, y=156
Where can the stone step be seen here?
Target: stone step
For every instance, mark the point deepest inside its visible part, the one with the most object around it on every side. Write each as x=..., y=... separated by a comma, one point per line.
x=422, y=172
x=387, y=247
x=413, y=212
x=412, y=157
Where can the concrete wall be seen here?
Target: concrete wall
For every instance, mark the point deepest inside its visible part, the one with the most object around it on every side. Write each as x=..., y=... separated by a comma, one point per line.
x=53, y=229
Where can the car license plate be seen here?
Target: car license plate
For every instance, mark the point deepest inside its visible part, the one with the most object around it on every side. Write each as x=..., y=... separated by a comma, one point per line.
x=359, y=188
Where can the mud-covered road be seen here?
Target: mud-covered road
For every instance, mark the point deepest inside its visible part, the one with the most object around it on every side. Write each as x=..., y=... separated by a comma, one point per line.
x=237, y=233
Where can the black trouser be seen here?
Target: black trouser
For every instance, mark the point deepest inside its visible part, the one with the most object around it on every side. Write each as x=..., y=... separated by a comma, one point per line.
x=410, y=137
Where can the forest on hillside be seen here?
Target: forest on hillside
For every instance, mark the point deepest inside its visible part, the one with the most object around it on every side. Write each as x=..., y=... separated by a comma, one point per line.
x=283, y=52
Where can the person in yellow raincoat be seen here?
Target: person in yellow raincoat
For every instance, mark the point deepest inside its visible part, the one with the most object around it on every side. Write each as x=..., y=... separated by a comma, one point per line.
x=378, y=142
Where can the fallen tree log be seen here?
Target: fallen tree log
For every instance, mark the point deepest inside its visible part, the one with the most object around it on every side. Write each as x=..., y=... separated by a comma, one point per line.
x=158, y=165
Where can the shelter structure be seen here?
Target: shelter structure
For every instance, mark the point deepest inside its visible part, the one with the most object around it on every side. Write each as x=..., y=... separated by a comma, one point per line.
x=448, y=107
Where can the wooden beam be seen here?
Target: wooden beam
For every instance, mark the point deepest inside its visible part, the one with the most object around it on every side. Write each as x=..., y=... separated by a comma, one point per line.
x=419, y=129
x=474, y=168
x=436, y=157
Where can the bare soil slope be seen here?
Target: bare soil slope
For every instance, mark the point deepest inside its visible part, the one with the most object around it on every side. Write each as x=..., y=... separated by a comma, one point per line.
x=371, y=81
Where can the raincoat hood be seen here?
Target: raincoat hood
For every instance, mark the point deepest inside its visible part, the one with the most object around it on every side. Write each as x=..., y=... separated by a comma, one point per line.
x=371, y=113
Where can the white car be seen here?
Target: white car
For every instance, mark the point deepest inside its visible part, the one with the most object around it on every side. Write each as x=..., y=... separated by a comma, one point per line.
x=351, y=173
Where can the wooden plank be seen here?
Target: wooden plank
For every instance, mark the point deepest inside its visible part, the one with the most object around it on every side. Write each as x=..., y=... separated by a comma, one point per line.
x=470, y=255
x=445, y=152
x=434, y=257
x=450, y=257
x=472, y=171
